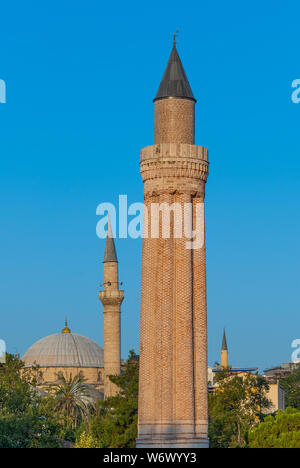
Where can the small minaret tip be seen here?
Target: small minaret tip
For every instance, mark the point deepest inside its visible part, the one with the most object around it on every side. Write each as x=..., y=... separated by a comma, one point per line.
x=224, y=352
x=174, y=82
x=175, y=36
x=110, y=254
x=224, y=342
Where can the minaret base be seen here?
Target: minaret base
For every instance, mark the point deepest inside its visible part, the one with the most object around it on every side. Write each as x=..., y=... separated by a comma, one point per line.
x=174, y=442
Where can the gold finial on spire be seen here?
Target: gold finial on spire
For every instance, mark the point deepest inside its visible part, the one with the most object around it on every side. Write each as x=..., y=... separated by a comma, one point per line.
x=175, y=36
x=66, y=329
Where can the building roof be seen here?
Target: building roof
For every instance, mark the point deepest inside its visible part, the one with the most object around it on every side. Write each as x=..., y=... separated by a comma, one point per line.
x=236, y=370
x=284, y=368
x=174, y=82
x=65, y=350
x=110, y=254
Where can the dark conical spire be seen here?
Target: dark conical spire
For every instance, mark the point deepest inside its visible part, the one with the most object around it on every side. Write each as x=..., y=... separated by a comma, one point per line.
x=110, y=254
x=174, y=83
x=224, y=342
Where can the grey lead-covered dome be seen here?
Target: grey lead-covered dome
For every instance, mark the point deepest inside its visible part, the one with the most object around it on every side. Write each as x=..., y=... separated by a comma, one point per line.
x=64, y=350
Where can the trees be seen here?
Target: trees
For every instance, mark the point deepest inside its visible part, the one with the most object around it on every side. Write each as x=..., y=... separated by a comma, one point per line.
x=279, y=431
x=291, y=385
x=236, y=407
x=24, y=420
x=32, y=417
x=31, y=429
x=15, y=390
x=115, y=423
x=72, y=398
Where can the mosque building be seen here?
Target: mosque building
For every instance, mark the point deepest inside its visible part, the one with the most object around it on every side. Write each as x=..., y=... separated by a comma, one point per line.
x=68, y=353
x=72, y=353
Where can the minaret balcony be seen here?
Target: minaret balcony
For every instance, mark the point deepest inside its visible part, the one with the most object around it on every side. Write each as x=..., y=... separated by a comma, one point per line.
x=113, y=297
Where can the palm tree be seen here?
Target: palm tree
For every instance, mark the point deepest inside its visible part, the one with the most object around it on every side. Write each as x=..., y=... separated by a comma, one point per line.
x=72, y=397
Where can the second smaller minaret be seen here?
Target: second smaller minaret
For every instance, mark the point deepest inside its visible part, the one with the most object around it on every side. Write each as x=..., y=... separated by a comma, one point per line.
x=224, y=352
x=111, y=299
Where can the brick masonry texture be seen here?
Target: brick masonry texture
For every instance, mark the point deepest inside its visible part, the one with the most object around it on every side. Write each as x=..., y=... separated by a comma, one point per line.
x=173, y=410
x=174, y=121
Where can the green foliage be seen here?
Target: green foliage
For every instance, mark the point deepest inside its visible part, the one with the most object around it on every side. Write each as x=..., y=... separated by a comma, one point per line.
x=15, y=387
x=24, y=421
x=72, y=399
x=291, y=385
x=236, y=407
x=33, y=429
x=87, y=440
x=281, y=431
x=115, y=423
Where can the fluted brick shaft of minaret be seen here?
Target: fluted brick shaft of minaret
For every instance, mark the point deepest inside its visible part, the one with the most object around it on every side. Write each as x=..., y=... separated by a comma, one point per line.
x=173, y=410
x=111, y=299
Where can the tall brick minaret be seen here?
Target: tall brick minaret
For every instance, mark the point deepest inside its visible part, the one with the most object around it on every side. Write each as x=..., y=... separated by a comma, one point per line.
x=111, y=299
x=173, y=344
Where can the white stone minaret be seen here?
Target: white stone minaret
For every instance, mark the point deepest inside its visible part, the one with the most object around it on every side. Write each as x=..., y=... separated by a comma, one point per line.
x=111, y=299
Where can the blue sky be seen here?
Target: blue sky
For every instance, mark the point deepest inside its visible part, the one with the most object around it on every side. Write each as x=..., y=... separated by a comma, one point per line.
x=80, y=80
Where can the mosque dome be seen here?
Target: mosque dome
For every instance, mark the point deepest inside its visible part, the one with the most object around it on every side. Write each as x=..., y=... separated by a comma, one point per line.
x=65, y=349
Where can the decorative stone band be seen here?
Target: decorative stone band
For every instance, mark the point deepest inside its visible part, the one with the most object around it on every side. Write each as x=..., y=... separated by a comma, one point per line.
x=111, y=298
x=183, y=150
x=186, y=443
x=171, y=167
x=173, y=434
